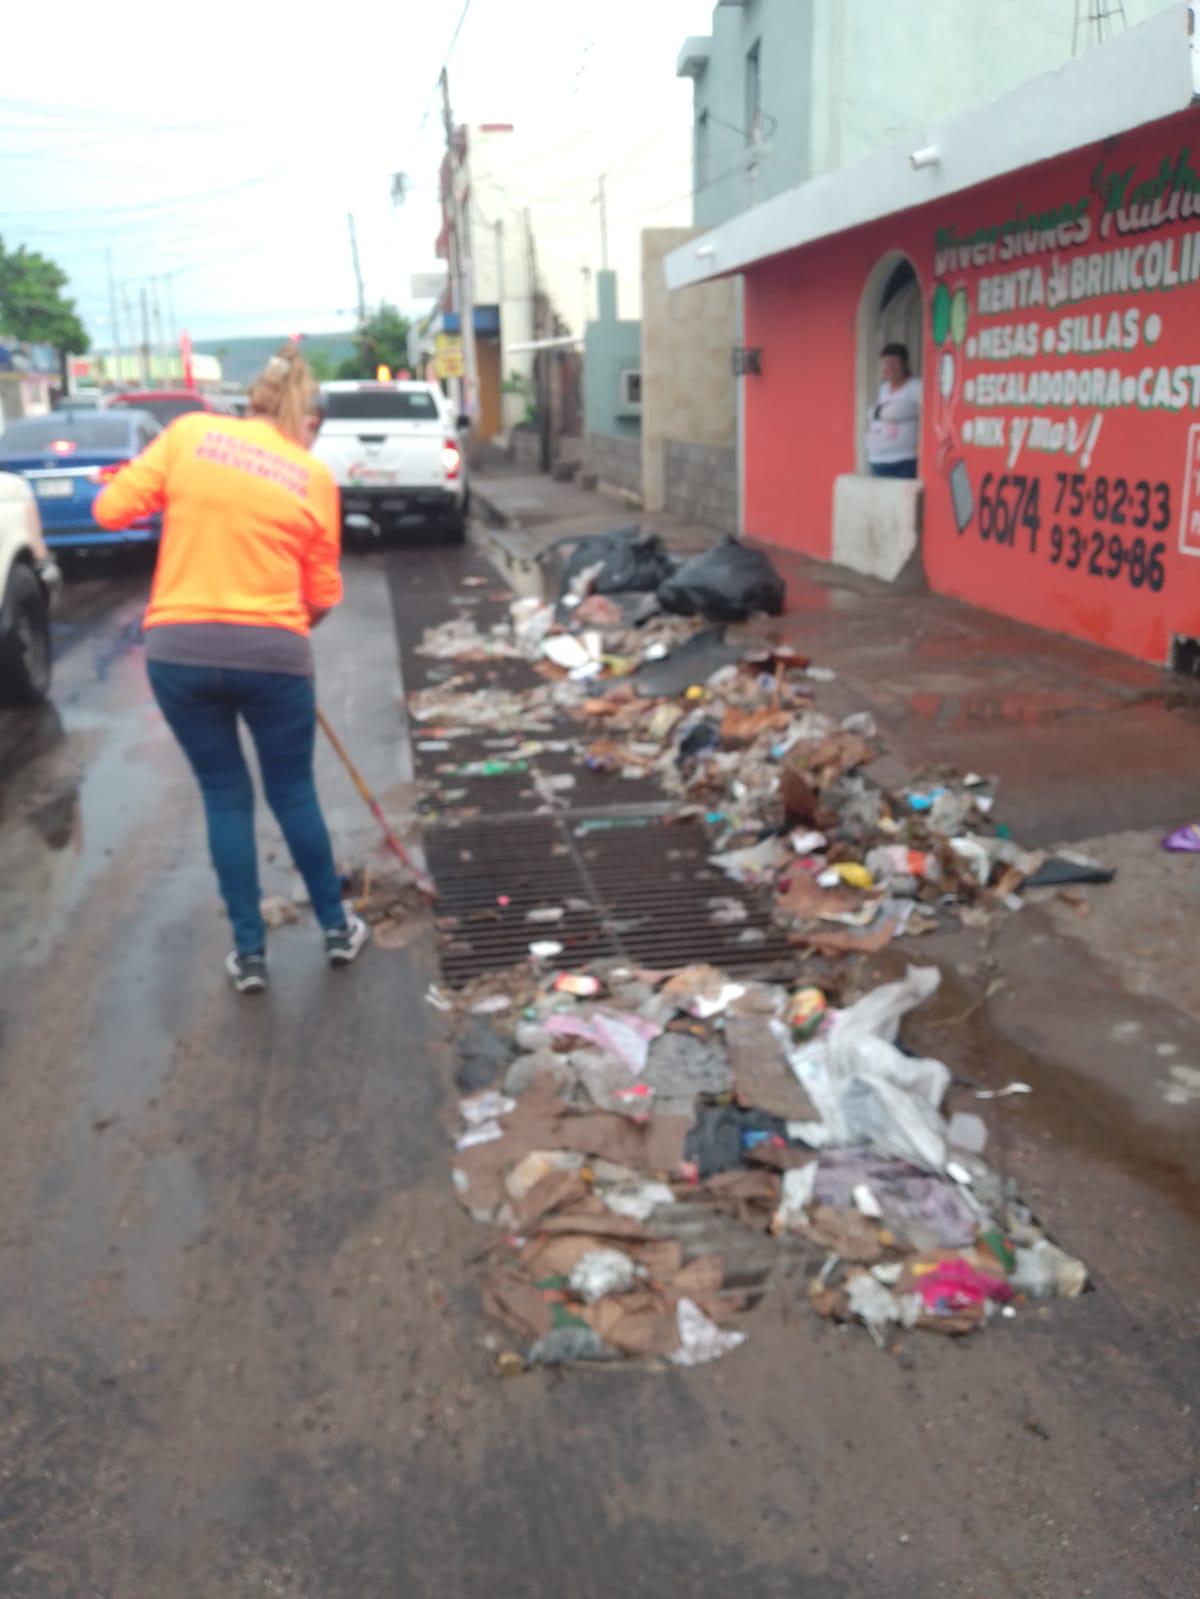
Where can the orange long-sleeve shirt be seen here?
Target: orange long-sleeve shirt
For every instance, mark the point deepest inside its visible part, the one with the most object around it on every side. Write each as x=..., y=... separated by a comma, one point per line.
x=251, y=523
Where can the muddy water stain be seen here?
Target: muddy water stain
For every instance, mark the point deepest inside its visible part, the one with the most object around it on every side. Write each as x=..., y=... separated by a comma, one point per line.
x=1067, y=1103
x=175, y=1208
x=70, y=815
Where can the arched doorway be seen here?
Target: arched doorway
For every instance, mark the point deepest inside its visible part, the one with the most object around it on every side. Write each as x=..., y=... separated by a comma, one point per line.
x=890, y=312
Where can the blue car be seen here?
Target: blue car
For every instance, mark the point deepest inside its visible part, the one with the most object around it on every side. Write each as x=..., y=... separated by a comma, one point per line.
x=67, y=458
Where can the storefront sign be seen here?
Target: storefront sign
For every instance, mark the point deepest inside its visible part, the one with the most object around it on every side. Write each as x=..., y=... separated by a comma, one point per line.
x=448, y=355
x=1063, y=416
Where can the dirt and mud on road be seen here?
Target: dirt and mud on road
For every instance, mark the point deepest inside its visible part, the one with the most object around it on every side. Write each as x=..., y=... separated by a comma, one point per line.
x=243, y=1349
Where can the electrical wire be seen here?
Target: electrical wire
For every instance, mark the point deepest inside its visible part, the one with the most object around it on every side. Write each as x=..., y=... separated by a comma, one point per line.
x=437, y=82
x=140, y=207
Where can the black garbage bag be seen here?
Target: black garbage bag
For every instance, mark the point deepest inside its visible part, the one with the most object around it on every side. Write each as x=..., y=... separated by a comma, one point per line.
x=630, y=561
x=694, y=661
x=483, y=1053
x=718, y=1140
x=700, y=737
x=726, y=584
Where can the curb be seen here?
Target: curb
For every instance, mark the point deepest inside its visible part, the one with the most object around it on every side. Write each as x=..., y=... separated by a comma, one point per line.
x=512, y=556
x=494, y=513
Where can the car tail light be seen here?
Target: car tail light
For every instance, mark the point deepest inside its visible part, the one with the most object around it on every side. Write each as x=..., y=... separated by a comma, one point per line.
x=64, y=447
x=104, y=474
x=451, y=458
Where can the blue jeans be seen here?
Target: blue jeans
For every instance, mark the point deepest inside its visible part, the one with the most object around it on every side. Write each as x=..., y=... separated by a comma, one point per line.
x=894, y=468
x=202, y=705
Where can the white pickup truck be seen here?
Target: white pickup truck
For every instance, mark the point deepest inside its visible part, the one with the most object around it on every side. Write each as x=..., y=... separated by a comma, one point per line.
x=394, y=450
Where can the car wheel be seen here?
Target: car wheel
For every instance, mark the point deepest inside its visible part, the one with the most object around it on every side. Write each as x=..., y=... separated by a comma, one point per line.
x=25, y=640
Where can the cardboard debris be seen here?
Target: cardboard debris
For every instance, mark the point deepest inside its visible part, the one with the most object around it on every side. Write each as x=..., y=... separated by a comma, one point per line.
x=761, y=1074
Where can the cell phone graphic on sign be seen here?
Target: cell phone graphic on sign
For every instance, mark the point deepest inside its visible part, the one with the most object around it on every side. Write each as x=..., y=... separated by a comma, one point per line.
x=961, y=496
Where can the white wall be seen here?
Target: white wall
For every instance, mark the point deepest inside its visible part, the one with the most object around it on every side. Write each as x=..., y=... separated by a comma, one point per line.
x=647, y=184
x=883, y=73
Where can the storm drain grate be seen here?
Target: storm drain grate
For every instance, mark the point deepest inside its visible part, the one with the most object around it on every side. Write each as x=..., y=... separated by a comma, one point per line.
x=634, y=888
x=631, y=884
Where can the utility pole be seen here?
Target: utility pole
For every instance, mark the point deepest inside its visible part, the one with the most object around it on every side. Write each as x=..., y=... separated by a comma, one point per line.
x=145, y=339
x=172, y=325
x=127, y=307
x=112, y=316
x=156, y=310
x=460, y=261
x=362, y=299
x=603, y=204
x=540, y=380
x=498, y=231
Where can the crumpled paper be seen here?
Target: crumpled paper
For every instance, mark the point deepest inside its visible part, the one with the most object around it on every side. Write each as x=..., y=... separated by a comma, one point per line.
x=701, y=1340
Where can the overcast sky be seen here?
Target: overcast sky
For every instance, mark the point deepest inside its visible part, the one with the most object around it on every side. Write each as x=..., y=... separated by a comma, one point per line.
x=224, y=145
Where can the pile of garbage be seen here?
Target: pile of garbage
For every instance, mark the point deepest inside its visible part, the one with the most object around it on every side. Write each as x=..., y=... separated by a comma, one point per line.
x=608, y=1112
x=597, y=1106
x=725, y=719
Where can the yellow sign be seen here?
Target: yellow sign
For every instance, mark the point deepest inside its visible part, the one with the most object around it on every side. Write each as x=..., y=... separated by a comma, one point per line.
x=448, y=355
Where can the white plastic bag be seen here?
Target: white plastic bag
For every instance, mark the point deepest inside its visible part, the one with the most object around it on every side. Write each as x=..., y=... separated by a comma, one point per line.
x=865, y=1090
x=796, y=1195
x=700, y=1340
x=601, y=1272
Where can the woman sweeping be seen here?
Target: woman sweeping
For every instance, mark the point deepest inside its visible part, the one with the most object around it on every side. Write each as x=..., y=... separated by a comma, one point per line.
x=247, y=565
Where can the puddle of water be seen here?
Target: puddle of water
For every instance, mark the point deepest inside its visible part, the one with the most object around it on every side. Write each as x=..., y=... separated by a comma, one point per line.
x=1077, y=1111
x=69, y=813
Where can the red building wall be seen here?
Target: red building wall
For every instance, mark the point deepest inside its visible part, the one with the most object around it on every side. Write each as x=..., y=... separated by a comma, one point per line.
x=1061, y=436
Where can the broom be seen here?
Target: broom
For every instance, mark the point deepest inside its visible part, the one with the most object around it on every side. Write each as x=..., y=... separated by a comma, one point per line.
x=423, y=883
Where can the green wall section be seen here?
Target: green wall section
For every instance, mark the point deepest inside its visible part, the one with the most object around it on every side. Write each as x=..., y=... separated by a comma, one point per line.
x=610, y=348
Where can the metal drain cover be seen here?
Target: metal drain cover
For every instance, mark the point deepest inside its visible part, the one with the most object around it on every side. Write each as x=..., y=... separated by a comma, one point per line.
x=630, y=883
x=634, y=887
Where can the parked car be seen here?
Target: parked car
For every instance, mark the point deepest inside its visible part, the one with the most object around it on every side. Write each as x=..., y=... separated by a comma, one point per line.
x=29, y=585
x=167, y=404
x=394, y=450
x=81, y=400
x=66, y=458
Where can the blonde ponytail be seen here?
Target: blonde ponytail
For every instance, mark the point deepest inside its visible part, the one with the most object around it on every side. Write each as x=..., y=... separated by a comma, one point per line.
x=284, y=392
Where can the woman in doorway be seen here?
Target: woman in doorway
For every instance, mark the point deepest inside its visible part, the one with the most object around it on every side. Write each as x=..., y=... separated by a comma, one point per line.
x=247, y=565
x=894, y=424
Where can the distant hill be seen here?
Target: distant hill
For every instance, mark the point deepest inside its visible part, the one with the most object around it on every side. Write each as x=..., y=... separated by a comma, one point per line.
x=244, y=358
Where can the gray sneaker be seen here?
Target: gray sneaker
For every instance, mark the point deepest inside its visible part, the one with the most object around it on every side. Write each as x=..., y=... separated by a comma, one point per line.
x=247, y=973
x=343, y=944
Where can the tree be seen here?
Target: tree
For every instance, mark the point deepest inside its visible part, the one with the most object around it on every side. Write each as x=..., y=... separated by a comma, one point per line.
x=382, y=340
x=320, y=364
x=33, y=307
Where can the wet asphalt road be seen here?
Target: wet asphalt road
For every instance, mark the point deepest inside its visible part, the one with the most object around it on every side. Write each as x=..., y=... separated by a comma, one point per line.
x=240, y=1346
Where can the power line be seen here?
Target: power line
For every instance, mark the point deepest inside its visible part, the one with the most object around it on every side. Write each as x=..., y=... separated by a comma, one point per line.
x=649, y=210
x=75, y=114
x=173, y=203
x=437, y=82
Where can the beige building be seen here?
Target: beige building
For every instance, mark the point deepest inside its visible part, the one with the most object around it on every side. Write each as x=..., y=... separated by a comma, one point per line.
x=689, y=401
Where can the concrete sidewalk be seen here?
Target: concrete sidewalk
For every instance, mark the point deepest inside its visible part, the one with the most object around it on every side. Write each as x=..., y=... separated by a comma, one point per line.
x=532, y=510
x=1081, y=739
